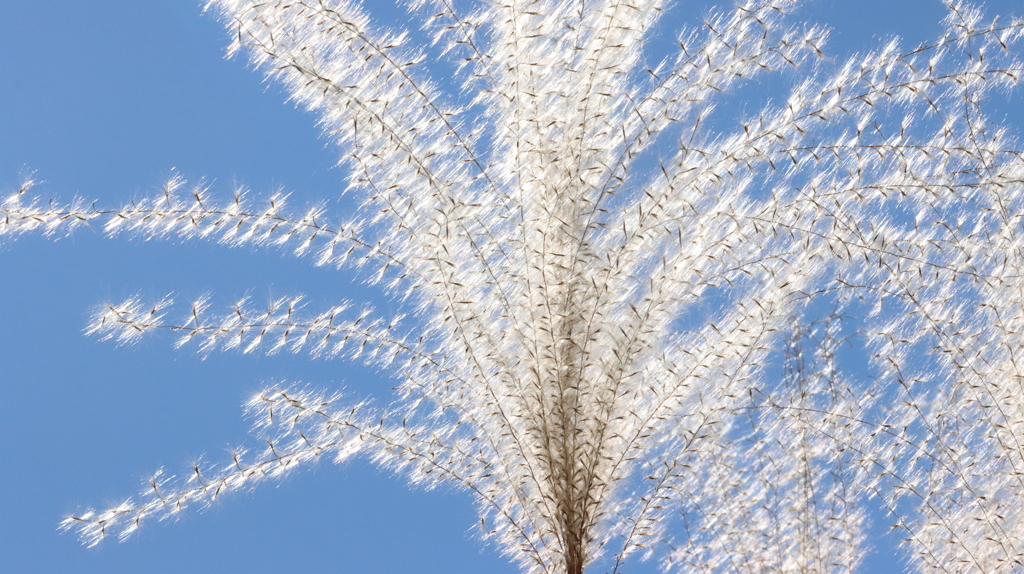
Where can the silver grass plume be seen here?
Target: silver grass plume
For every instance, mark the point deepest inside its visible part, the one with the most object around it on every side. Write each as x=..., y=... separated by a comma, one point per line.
x=619, y=347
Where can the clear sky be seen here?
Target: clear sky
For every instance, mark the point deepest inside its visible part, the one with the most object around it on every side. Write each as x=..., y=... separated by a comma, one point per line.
x=103, y=99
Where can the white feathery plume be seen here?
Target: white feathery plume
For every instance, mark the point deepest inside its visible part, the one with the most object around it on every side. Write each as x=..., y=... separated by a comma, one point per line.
x=628, y=314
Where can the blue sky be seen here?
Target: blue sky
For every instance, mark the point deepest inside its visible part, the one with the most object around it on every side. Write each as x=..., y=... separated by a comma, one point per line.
x=104, y=99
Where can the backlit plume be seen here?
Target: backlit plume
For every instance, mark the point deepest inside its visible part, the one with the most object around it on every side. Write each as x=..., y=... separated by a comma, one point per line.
x=637, y=327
